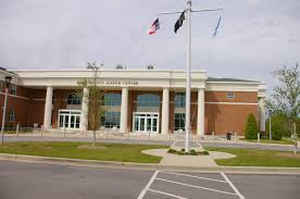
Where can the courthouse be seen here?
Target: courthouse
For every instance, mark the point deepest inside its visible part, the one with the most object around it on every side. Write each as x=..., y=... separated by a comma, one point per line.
x=140, y=101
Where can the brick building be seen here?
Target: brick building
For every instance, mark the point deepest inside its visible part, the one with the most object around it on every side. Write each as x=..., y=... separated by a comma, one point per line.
x=140, y=101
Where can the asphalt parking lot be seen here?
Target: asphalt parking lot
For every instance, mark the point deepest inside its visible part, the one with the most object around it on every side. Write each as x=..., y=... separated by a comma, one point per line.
x=48, y=181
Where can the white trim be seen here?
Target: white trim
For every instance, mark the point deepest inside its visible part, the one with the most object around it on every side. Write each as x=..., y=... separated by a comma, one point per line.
x=233, y=103
x=15, y=96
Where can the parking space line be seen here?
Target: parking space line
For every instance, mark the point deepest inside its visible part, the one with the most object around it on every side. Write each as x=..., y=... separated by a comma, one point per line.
x=143, y=192
x=192, y=176
x=232, y=186
x=197, y=187
x=167, y=194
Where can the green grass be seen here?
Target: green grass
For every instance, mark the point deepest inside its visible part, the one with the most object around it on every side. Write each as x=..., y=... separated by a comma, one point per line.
x=110, y=152
x=265, y=141
x=253, y=157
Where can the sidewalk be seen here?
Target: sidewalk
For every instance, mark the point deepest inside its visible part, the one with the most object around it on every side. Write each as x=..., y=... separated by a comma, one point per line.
x=196, y=161
x=133, y=136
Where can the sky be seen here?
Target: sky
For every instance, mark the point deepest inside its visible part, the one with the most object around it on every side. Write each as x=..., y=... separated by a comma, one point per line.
x=255, y=38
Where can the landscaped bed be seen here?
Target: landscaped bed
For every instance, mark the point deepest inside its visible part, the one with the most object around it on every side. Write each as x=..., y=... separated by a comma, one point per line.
x=253, y=157
x=81, y=150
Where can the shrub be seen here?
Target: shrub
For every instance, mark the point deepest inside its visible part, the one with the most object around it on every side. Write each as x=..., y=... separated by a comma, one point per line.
x=172, y=151
x=251, y=127
x=276, y=131
x=193, y=152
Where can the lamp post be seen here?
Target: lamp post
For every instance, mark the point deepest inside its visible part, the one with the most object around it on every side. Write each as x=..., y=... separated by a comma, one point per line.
x=7, y=84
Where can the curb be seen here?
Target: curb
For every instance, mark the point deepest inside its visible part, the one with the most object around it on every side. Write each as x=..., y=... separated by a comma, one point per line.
x=150, y=166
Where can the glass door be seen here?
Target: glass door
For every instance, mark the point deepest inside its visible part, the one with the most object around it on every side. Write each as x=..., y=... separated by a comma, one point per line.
x=146, y=122
x=69, y=119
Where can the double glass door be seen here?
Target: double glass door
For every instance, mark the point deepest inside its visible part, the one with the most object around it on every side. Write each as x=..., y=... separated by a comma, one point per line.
x=146, y=122
x=69, y=119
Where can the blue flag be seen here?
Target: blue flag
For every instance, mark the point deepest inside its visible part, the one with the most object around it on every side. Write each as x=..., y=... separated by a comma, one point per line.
x=217, y=27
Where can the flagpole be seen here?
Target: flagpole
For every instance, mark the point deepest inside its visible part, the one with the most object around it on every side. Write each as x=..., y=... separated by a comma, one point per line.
x=188, y=76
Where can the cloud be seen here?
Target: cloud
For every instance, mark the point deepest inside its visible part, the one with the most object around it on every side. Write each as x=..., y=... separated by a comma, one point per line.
x=256, y=35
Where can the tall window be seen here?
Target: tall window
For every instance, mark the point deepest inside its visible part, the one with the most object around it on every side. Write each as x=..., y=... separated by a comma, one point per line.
x=112, y=99
x=74, y=99
x=11, y=116
x=179, y=100
x=179, y=121
x=110, y=119
x=13, y=89
x=149, y=100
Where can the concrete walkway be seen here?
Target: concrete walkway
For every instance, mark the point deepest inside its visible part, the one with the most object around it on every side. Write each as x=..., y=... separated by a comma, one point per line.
x=200, y=161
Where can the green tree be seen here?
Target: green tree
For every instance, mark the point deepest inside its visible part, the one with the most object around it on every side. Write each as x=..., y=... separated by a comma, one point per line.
x=94, y=100
x=286, y=96
x=282, y=120
x=251, y=127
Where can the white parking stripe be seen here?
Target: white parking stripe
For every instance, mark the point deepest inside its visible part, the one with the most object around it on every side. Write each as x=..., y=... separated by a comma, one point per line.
x=167, y=194
x=143, y=192
x=197, y=187
x=232, y=186
x=198, y=177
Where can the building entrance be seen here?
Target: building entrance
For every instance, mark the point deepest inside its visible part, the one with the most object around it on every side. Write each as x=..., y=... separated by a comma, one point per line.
x=69, y=119
x=146, y=122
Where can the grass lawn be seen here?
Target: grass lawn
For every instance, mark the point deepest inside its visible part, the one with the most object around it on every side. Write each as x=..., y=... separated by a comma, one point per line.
x=253, y=157
x=265, y=141
x=81, y=150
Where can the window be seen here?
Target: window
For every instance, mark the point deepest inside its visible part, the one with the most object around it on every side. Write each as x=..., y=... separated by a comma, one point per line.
x=74, y=99
x=179, y=100
x=11, y=116
x=112, y=99
x=179, y=121
x=149, y=100
x=111, y=119
x=13, y=89
x=230, y=95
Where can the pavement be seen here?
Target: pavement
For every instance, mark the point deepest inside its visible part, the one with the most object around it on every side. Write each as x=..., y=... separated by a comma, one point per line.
x=48, y=181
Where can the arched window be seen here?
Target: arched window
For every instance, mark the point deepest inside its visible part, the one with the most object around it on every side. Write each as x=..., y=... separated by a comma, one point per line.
x=74, y=99
x=149, y=100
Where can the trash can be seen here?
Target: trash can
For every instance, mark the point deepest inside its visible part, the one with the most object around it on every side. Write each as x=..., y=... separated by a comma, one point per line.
x=228, y=136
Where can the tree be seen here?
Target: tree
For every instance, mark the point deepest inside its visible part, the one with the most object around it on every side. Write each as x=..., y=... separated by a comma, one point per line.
x=281, y=122
x=94, y=100
x=286, y=96
x=251, y=127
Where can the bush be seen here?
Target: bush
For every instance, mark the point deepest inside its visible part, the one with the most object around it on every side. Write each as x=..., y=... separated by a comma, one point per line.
x=277, y=130
x=281, y=122
x=172, y=151
x=251, y=127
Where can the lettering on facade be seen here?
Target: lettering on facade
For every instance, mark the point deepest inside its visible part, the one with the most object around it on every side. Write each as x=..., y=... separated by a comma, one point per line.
x=118, y=82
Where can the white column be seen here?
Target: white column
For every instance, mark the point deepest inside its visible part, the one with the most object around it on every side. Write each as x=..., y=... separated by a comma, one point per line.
x=261, y=104
x=165, y=112
x=201, y=112
x=84, y=110
x=48, y=108
x=124, y=110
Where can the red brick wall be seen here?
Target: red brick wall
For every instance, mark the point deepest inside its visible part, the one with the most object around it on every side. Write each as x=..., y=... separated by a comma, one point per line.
x=221, y=96
x=222, y=118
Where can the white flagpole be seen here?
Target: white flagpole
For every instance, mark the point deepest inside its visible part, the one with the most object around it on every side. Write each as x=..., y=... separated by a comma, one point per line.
x=188, y=76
